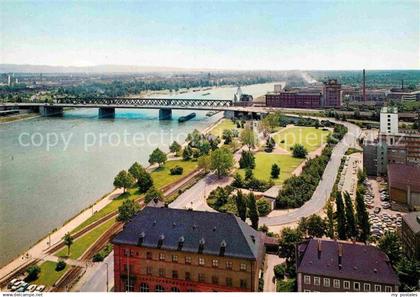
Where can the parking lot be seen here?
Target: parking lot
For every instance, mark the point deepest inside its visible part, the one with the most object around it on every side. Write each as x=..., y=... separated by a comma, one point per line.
x=382, y=217
x=18, y=285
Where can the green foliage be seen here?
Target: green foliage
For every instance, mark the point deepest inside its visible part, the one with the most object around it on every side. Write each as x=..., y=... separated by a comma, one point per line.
x=124, y=180
x=204, y=163
x=275, y=171
x=187, y=153
x=362, y=218
x=175, y=147
x=227, y=135
x=221, y=161
x=32, y=273
x=279, y=271
x=241, y=205
x=263, y=207
x=288, y=239
x=144, y=179
x=127, y=210
x=157, y=156
x=177, y=170
x=350, y=221
x=288, y=285
x=68, y=241
x=248, y=138
x=271, y=121
x=299, y=151
x=247, y=160
x=270, y=144
x=361, y=175
x=60, y=265
x=252, y=210
x=341, y=217
x=313, y=226
x=152, y=194
x=408, y=271
x=390, y=244
x=103, y=253
x=237, y=181
x=329, y=221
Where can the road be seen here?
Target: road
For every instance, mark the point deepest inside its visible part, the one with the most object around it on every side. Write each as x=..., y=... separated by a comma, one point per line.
x=322, y=192
x=271, y=261
x=96, y=280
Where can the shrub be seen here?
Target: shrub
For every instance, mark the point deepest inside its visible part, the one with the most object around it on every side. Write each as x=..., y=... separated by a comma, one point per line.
x=177, y=170
x=60, y=265
x=299, y=151
x=247, y=160
x=263, y=207
x=275, y=171
x=279, y=271
x=33, y=272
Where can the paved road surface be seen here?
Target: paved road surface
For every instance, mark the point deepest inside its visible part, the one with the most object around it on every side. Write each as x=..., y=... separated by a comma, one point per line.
x=96, y=281
x=322, y=192
x=271, y=261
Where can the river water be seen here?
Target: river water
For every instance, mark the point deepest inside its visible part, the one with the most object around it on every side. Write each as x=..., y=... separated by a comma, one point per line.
x=52, y=168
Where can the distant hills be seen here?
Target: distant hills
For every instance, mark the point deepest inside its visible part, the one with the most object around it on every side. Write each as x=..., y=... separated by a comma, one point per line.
x=26, y=68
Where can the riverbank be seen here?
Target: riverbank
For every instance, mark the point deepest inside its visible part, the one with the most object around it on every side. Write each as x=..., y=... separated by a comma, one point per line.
x=18, y=117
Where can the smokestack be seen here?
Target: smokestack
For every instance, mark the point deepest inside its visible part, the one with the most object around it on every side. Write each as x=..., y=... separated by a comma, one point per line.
x=364, y=85
x=402, y=85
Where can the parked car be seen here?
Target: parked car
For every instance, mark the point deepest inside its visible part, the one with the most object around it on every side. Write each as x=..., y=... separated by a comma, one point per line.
x=12, y=282
x=40, y=288
x=22, y=287
x=16, y=285
x=377, y=210
x=31, y=288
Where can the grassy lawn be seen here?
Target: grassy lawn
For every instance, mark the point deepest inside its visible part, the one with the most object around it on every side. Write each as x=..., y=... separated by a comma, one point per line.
x=48, y=275
x=224, y=124
x=309, y=137
x=263, y=162
x=80, y=245
x=162, y=177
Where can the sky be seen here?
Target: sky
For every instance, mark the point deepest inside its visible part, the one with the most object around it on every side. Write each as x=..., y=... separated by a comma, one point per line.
x=277, y=35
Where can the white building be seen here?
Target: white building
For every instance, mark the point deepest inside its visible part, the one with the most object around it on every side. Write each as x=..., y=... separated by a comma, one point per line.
x=389, y=120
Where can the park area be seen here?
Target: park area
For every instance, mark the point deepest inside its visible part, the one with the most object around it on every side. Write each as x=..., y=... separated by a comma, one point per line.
x=162, y=177
x=224, y=124
x=310, y=137
x=49, y=275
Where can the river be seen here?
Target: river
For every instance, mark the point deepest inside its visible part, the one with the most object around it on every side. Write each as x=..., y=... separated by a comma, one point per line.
x=52, y=168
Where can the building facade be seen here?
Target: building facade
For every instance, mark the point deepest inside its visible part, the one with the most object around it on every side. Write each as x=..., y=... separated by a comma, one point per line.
x=335, y=266
x=293, y=99
x=410, y=235
x=404, y=185
x=331, y=94
x=388, y=120
x=173, y=250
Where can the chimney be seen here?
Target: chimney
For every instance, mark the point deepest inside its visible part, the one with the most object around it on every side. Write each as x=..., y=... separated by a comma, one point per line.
x=222, y=248
x=364, y=85
x=340, y=256
x=319, y=248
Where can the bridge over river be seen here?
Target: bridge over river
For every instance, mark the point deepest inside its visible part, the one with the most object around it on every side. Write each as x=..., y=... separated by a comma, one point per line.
x=107, y=106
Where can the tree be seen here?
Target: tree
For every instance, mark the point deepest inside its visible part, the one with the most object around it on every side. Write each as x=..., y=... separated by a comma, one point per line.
x=124, y=180
x=275, y=171
x=270, y=144
x=362, y=218
x=68, y=241
x=350, y=221
x=252, y=210
x=241, y=205
x=271, y=121
x=127, y=210
x=227, y=135
x=263, y=207
x=221, y=160
x=341, y=217
x=136, y=170
x=299, y=151
x=247, y=160
x=144, y=179
x=33, y=272
x=238, y=181
x=248, y=174
x=329, y=221
x=390, y=244
x=313, y=226
x=287, y=244
x=175, y=147
x=409, y=273
x=248, y=137
x=187, y=153
x=194, y=138
x=204, y=163
x=157, y=156
x=153, y=194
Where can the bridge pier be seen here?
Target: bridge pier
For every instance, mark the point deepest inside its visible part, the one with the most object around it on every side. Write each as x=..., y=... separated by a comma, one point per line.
x=48, y=111
x=165, y=114
x=106, y=112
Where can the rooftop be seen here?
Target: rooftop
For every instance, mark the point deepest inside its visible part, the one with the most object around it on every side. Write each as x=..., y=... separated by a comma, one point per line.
x=193, y=231
x=357, y=261
x=412, y=219
x=389, y=109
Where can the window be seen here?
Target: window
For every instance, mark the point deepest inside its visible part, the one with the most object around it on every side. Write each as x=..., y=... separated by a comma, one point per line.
x=243, y=266
x=187, y=260
x=188, y=276
x=326, y=282
x=144, y=287
x=229, y=282
x=307, y=280
x=174, y=289
x=214, y=279
x=126, y=252
x=356, y=286
x=201, y=277
x=162, y=257
x=337, y=283
x=242, y=283
x=159, y=288
x=129, y=286
x=161, y=272
x=229, y=265
x=377, y=288
x=346, y=285
x=200, y=261
x=366, y=287
x=215, y=263
x=132, y=253
x=388, y=289
x=148, y=270
x=317, y=281
x=149, y=255
x=174, y=274
x=174, y=258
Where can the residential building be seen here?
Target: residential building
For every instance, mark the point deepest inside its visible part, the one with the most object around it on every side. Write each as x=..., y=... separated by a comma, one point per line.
x=404, y=185
x=340, y=266
x=172, y=250
x=294, y=99
x=389, y=120
x=331, y=94
x=410, y=235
